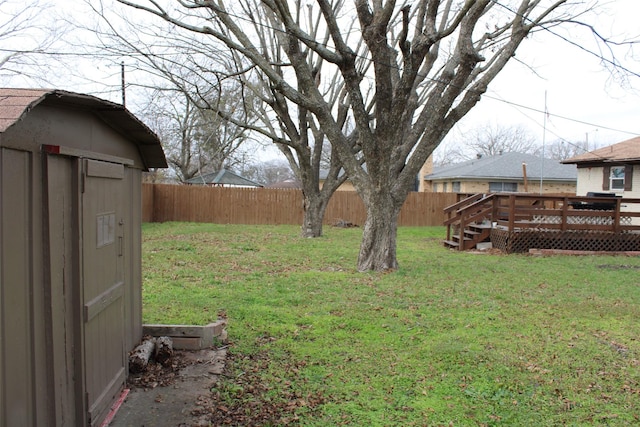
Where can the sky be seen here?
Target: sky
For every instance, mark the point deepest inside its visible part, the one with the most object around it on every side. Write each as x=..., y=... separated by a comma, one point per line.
x=569, y=83
x=582, y=99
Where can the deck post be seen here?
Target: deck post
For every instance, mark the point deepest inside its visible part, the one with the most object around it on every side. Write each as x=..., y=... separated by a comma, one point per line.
x=494, y=210
x=512, y=212
x=463, y=225
x=565, y=213
x=616, y=215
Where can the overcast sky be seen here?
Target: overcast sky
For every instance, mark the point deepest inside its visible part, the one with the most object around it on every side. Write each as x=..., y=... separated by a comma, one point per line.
x=575, y=83
x=566, y=81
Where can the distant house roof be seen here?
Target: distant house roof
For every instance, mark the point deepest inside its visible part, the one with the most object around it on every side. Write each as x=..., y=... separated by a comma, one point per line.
x=289, y=183
x=16, y=103
x=222, y=177
x=626, y=151
x=506, y=166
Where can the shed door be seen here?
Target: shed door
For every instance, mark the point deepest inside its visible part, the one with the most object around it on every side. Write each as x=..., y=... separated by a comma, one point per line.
x=103, y=213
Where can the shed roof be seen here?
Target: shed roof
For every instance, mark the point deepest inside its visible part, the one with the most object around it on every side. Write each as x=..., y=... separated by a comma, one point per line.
x=625, y=151
x=506, y=166
x=222, y=177
x=15, y=104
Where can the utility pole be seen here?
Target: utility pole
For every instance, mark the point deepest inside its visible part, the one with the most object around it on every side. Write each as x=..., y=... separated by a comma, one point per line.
x=122, y=83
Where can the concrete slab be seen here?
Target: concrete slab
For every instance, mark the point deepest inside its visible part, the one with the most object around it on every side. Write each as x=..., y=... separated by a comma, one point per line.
x=175, y=405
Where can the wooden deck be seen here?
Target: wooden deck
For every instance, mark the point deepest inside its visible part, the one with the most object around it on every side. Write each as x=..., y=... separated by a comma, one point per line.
x=517, y=222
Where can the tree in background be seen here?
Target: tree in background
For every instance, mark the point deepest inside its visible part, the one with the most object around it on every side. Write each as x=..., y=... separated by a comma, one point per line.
x=195, y=67
x=493, y=139
x=488, y=140
x=430, y=64
x=270, y=172
x=25, y=39
x=294, y=129
x=195, y=139
x=562, y=150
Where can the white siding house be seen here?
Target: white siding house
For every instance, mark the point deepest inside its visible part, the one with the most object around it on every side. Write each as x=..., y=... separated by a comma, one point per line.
x=612, y=169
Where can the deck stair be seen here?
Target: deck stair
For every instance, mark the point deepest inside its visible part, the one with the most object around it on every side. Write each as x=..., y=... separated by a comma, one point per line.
x=472, y=235
x=519, y=222
x=468, y=222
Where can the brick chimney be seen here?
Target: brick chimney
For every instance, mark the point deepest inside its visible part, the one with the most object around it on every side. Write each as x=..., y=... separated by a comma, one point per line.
x=426, y=169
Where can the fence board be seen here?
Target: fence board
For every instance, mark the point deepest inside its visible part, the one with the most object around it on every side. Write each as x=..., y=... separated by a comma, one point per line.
x=226, y=205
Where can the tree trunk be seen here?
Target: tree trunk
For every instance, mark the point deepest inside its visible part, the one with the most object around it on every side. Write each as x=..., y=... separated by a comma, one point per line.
x=314, y=208
x=378, y=247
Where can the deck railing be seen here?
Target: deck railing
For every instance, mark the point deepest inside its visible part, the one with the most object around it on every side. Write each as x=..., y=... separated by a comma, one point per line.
x=520, y=211
x=517, y=211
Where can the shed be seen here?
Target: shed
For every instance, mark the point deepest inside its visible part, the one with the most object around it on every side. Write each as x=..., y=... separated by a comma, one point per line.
x=70, y=253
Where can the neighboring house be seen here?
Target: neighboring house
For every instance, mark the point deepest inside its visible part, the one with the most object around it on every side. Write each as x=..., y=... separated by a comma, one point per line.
x=612, y=169
x=345, y=186
x=223, y=178
x=501, y=173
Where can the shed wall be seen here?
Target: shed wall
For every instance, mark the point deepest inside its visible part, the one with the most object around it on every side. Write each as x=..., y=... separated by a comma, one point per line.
x=23, y=382
x=62, y=262
x=41, y=366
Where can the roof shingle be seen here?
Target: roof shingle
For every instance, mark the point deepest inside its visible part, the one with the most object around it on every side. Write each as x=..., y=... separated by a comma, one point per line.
x=625, y=151
x=506, y=166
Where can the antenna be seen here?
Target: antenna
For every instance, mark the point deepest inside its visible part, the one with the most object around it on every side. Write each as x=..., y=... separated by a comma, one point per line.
x=544, y=136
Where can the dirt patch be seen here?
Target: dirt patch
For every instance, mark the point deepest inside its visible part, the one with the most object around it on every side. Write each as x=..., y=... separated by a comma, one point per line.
x=243, y=397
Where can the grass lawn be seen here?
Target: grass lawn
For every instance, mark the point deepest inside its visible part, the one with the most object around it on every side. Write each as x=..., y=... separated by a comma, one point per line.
x=449, y=339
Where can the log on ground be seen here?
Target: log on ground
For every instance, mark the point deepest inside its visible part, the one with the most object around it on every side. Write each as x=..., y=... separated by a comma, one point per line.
x=140, y=356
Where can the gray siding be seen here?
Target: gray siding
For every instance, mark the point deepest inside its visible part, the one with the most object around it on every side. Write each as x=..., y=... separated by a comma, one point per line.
x=16, y=313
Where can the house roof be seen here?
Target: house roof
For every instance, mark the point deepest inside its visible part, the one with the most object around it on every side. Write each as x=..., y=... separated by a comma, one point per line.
x=222, y=177
x=15, y=104
x=625, y=151
x=506, y=166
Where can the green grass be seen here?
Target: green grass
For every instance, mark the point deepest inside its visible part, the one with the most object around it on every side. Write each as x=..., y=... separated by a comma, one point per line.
x=449, y=339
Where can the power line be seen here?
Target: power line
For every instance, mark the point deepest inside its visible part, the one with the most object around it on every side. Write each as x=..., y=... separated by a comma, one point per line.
x=537, y=110
x=573, y=43
x=432, y=79
x=435, y=80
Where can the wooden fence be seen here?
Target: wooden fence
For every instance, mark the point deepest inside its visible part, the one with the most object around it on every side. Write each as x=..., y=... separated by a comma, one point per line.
x=225, y=205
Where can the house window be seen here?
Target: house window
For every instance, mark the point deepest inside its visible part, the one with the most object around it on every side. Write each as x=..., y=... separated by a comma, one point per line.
x=616, y=178
x=435, y=187
x=501, y=187
x=444, y=187
x=455, y=186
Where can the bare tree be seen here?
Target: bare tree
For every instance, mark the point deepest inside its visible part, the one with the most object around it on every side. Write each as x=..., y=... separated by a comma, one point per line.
x=494, y=139
x=430, y=64
x=195, y=68
x=195, y=139
x=562, y=150
x=488, y=140
x=270, y=172
x=26, y=39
